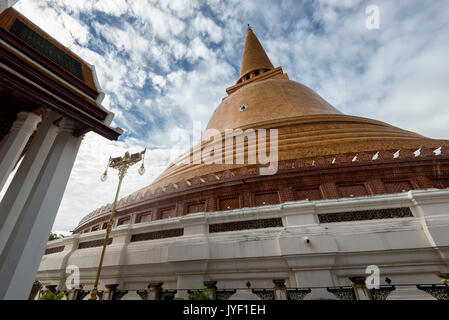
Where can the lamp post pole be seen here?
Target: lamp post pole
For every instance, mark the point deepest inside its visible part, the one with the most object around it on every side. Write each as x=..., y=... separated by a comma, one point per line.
x=121, y=164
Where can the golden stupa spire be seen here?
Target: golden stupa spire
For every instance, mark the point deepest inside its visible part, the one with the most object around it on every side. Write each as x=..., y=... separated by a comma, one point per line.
x=254, y=60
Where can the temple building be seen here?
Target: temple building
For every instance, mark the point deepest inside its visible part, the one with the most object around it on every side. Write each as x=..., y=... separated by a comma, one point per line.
x=49, y=99
x=346, y=193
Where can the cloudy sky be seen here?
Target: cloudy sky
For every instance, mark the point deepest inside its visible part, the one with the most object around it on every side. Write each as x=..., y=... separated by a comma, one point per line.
x=165, y=64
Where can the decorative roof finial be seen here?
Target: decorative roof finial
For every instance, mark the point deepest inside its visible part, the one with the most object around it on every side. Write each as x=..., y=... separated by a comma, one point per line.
x=254, y=57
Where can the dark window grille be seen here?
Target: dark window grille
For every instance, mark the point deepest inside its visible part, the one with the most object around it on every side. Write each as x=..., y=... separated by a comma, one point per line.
x=93, y=244
x=246, y=225
x=54, y=250
x=43, y=46
x=365, y=215
x=157, y=235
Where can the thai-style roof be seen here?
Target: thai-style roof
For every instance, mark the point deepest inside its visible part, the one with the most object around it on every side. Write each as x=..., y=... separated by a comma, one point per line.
x=37, y=71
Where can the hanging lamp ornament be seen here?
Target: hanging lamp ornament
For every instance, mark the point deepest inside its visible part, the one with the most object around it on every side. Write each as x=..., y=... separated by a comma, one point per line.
x=142, y=167
x=104, y=176
x=142, y=170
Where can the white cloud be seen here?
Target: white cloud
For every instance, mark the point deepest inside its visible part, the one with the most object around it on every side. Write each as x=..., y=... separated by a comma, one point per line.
x=208, y=26
x=112, y=7
x=162, y=23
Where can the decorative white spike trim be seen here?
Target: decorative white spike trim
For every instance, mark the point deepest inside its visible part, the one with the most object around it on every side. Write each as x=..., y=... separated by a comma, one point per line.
x=417, y=153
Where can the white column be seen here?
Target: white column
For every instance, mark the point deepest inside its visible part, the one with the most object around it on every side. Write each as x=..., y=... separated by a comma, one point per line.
x=15, y=197
x=13, y=144
x=23, y=252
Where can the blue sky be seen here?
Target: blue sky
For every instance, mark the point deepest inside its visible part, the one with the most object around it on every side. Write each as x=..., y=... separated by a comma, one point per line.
x=165, y=64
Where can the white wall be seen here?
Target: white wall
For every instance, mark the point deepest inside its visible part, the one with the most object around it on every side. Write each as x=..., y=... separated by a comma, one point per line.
x=411, y=250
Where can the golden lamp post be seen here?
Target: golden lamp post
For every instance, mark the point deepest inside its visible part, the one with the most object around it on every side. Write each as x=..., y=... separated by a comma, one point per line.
x=121, y=164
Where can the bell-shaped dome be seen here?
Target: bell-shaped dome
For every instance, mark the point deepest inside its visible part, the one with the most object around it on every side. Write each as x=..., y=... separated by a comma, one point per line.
x=269, y=100
x=308, y=126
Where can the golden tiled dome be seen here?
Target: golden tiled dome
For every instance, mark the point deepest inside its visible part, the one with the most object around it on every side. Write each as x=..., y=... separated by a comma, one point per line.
x=269, y=100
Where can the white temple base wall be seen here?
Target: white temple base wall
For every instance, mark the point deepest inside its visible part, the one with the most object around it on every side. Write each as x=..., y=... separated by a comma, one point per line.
x=408, y=250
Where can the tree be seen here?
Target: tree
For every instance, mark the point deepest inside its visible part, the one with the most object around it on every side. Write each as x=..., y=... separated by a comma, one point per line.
x=49, y=295
x=199, y=295
x=54, y=236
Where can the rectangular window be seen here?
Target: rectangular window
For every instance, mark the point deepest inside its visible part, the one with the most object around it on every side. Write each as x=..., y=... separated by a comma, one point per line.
x=398, y=187
x=229, y=203
x=165, y=213
x=353, y=191
x=196, y=207
x=309, y=194
x=123, y=221
x=144, y=217
x=265, y=199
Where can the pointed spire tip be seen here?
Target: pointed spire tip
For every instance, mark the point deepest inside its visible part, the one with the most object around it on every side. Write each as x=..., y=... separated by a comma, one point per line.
x=254, y=57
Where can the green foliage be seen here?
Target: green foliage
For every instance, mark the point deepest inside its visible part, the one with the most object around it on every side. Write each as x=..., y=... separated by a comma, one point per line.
x=52, y=296
x=199, y=295
x=54, y=236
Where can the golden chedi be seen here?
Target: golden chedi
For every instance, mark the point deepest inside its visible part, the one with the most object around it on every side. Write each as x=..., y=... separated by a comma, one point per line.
x=356, y=153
